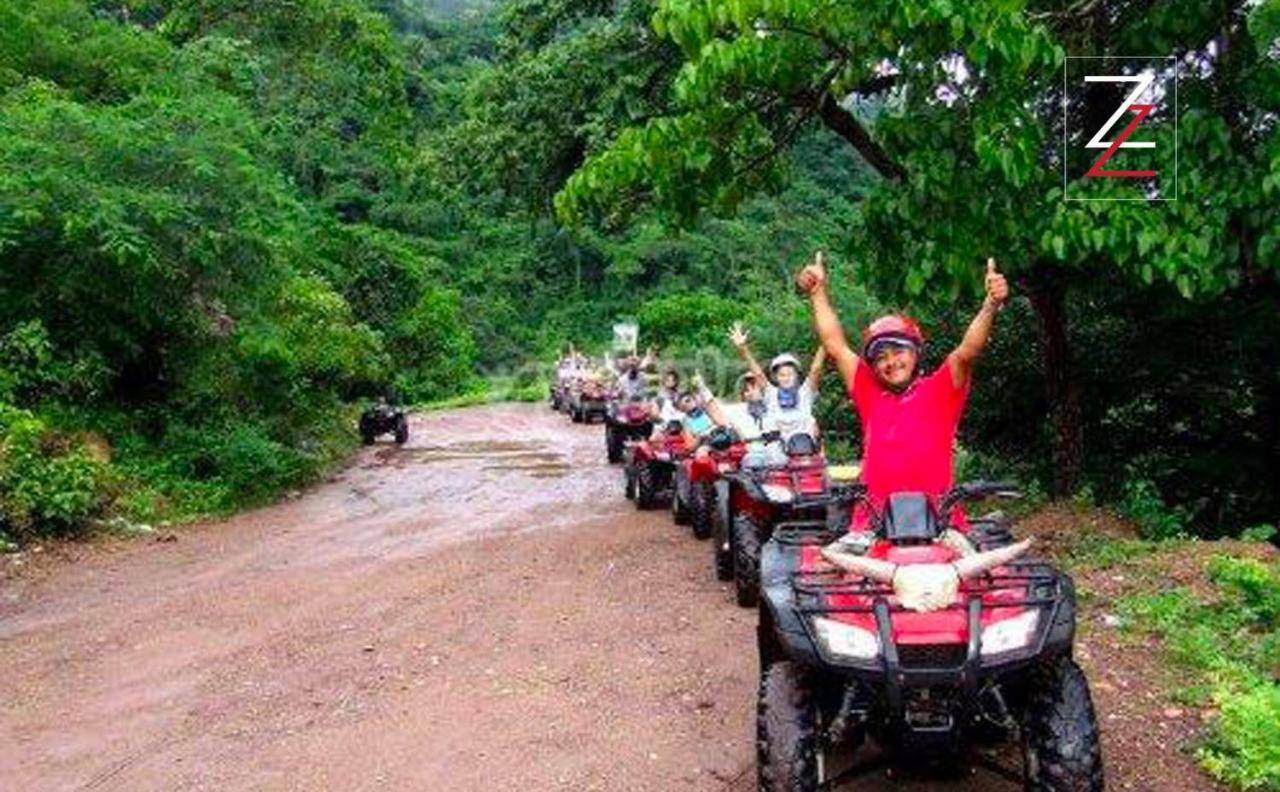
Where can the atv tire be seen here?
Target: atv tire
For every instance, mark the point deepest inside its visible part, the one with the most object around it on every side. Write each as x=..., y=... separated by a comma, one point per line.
x=679, y=511
x=722, y=532
x=746, y=560
x=786, y=731
x=367, y=435
x=1060, y=747
x=722, y=559
x=613, y=444
x=402, y=430
x=629, y=483
x=575, y=414
x=646, y=487
x=701, y=505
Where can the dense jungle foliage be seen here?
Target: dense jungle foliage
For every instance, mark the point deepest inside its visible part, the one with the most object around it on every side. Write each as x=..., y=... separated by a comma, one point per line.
x=223, y=222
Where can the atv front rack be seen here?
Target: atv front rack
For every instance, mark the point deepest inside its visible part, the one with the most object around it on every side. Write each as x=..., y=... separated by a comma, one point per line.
x=795, y=598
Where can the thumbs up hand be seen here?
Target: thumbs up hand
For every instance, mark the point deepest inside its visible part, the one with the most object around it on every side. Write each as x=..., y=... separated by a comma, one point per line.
x=813, y=275
x=997, y=286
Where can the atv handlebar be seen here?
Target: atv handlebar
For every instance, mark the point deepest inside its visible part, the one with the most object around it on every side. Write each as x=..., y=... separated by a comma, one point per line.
x=765, y=437
x=977, y=490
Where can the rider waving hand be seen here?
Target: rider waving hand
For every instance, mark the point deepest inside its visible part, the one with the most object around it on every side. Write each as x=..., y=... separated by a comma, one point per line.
x=788, y=401
x=909, y=419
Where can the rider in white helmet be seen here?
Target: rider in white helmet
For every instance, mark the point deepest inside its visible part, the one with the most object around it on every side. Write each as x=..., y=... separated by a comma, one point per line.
x=788, y=400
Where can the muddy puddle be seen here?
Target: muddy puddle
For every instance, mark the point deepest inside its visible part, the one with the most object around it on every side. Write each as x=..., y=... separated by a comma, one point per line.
x=540, y=469
x=529, y=456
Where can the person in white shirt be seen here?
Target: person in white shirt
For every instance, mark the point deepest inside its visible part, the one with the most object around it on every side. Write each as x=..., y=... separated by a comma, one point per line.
x=787, y=400
x=631, y=381
x=751, y=421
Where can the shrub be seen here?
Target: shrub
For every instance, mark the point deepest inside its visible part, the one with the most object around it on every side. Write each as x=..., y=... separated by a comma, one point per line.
x=50, y=484
x=1259, y=533
x=1230, y=644
x=1142, y=504
x=1244, y=745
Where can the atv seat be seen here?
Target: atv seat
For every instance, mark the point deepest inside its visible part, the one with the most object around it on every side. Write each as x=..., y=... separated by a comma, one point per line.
x=801, y=444
x=721, y=438
x=909, y=518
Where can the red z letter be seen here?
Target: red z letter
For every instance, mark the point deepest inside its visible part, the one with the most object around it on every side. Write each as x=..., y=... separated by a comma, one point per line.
x=1142, y=110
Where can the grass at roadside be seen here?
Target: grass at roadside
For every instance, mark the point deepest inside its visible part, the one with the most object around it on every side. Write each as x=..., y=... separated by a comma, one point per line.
x=492, y=391
x=1215, y=607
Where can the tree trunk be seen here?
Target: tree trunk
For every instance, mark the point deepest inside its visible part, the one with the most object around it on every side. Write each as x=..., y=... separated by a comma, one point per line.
x=1062, y=388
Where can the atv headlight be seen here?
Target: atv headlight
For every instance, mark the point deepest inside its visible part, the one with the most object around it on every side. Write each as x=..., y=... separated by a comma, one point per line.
x=777, y=493
x=1010, y=634
x=845, y=640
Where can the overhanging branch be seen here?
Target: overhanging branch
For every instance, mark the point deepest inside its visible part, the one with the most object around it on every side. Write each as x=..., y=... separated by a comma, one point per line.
x=842, y=122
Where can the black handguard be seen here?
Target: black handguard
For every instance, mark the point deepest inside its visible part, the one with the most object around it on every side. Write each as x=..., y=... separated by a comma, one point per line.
x=978, y=490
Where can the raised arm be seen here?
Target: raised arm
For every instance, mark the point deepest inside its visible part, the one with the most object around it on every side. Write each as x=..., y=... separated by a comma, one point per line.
x=814, y=380
x=739, y=338
x=716, y=411
x=812, y=280
x=979, y=332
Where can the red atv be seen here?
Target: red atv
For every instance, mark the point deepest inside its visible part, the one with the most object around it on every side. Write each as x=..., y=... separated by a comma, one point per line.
x=910, y=635
x=753, y=500
x=587, y=400
x=626, y=420
x=561, y=386
x=651, y=464
x=693, y=501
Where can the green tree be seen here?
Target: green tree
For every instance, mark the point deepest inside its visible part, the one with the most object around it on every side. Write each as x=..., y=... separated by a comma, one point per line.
x=968, y=167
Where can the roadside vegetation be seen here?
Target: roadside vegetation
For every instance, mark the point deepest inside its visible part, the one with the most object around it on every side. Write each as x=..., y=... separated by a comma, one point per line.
x=1214, y=608
x=223, y=225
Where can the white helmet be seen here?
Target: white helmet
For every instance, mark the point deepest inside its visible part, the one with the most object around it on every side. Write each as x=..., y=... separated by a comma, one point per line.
x=785, y=359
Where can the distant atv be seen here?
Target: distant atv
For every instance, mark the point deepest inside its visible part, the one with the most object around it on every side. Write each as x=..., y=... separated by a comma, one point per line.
x=911, y=636
x=624, y=421
x=380, y=419
x=650, y=466
x=557, y=392
x=753, y=500
x=588, y=400
x=693, y=499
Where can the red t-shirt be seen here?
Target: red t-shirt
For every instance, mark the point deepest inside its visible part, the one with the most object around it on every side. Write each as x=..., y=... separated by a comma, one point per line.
x=908, y=438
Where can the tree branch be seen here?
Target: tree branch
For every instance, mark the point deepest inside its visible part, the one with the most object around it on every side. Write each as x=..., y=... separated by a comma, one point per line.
x=843, y=123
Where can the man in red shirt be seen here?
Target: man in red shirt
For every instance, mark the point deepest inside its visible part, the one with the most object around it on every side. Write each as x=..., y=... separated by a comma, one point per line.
x=909, y=419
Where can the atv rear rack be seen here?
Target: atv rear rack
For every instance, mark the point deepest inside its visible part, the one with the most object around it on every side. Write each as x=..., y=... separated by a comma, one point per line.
x=759, y=476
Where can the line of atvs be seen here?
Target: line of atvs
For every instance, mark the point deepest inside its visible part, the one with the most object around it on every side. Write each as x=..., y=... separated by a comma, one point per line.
x=934, y=634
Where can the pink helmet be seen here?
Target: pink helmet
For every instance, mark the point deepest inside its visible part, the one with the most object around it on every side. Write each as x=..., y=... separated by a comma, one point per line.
x=892, y=326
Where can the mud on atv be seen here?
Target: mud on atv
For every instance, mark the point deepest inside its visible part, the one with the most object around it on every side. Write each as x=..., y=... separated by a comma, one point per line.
x=752, y=501
x=650, y=466
x=380, y=419
x=842, y=659
x=625, y=421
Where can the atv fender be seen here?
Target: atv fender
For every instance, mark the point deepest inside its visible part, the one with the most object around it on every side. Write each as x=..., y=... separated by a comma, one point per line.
x=1062, y=632
x=749, y=485
x=778, y=565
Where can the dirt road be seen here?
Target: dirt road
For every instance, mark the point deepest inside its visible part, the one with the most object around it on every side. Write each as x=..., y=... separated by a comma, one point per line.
x=478, y=610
